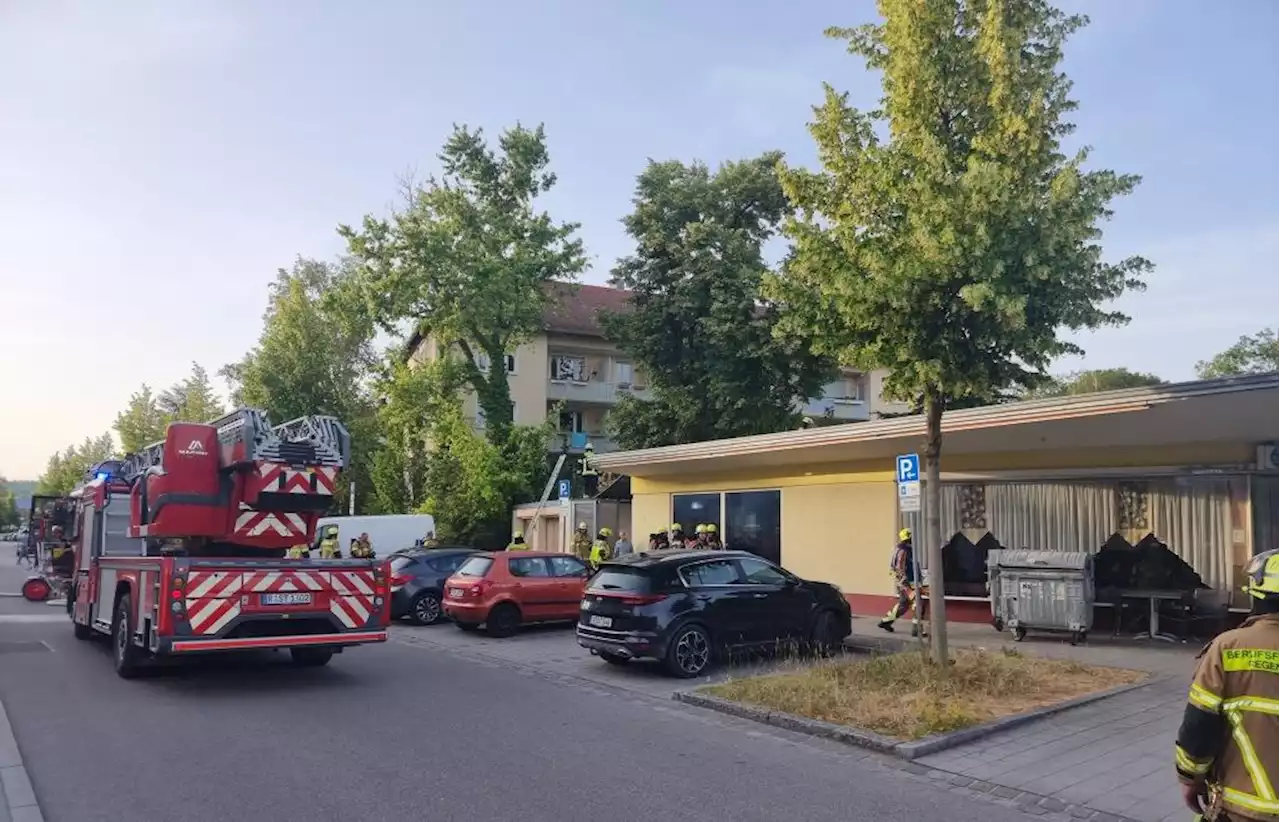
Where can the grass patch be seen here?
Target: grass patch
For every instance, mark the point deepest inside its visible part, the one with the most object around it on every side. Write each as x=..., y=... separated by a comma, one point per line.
x=905, y=697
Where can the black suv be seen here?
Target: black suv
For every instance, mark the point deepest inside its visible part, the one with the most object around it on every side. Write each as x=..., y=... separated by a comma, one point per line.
x=687, y=607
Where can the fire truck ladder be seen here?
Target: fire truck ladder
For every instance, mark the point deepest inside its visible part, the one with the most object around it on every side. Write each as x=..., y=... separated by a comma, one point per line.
x=315, y=440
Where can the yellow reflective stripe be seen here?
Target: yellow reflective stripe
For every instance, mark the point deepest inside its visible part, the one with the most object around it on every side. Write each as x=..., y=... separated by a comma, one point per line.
x=1249, y=801
x=1187, y=764
x=1202, y=698
x=1265, y=660
x=1256, y=704
x=1261, y=782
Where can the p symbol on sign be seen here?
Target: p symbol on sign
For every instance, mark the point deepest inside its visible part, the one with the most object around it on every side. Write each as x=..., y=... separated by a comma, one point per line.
x=908, y=468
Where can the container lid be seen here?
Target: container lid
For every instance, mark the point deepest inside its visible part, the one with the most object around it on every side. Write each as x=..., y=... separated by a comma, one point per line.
x=1024, y=558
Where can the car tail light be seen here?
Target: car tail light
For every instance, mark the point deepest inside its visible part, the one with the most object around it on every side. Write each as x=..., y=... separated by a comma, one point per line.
x=401, y=579
x=638, y=599
x=478, y=588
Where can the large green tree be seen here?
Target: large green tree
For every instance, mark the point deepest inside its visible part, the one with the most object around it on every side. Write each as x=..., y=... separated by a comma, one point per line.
x=1093, y=381
x=698, y=325
x=9, y=514
x=144, y=420
x=141, y=422
x=66, y=469
x=311, y=360
x=468, y=259
x=947, y=237
x=1251, y=354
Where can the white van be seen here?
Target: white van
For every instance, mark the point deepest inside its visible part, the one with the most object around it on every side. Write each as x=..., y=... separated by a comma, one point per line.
x=388, y=533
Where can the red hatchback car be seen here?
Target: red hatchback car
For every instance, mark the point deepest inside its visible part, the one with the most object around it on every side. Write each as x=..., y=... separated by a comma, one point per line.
x=506, y=589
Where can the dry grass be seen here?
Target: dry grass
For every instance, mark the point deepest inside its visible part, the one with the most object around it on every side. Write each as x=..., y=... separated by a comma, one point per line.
x=904, y=697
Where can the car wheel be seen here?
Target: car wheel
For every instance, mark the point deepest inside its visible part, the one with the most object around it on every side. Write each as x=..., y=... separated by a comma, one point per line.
x=689, y=654
x=467, y=627
x=425, y=609
x=310, y=657
x=127, y=656
x=615, y=659
x=503, y=620
x=826, y=637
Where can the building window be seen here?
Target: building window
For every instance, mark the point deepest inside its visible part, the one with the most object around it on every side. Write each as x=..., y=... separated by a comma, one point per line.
x=482, y=362
x=624, y=373
x=753, y=522
x=692, y=510
x=571, y=368
x=571, y=421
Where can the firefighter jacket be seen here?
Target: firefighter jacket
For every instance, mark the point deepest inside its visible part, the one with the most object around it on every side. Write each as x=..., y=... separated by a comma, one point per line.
x=582, y=546
x=901, y=563
x=517, y=546
x=362, y=549
x=1229, y=728
x=329, y=549
x=600, y=551
x=298, y=552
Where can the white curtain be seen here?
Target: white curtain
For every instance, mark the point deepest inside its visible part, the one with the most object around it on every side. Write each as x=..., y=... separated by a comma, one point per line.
x=1052, y=516
x=1192, y=515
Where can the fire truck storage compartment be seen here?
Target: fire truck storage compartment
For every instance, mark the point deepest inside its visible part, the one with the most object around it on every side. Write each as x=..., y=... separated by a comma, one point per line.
x=183, y=495
x=1041, y=590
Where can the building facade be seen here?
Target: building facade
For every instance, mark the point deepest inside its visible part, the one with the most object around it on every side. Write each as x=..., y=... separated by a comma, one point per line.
x=1189, y=466
x=573, y=363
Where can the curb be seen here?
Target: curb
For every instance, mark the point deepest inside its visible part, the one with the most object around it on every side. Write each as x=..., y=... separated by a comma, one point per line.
x=19, y=797
x=877, y=742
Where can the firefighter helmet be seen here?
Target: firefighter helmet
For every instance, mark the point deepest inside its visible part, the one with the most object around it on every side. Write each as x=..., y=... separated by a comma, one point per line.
x=700, y=528
x=582, y=526
x=606, y=532
x=904, y=535
x=711, y=527
x=1263, y=575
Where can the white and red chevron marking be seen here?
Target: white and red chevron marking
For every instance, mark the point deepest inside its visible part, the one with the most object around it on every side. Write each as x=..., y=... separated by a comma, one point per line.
x=282, y=478
x=201, y=584
x=209, y=616
x=273, y=581
x=352, y=582
x=256, y=523
x=351, y=611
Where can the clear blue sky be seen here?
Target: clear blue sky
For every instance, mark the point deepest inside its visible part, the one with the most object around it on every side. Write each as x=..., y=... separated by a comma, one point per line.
x=158, y=161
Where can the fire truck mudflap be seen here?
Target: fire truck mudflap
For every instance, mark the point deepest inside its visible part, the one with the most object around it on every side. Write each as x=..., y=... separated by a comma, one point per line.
x=227, y=605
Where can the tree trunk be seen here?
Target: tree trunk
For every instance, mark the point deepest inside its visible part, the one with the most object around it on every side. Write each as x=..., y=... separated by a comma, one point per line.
x=933, y=407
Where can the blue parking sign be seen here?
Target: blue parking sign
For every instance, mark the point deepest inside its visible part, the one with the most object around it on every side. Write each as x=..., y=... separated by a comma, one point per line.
x=908, y=467
x=564, y=489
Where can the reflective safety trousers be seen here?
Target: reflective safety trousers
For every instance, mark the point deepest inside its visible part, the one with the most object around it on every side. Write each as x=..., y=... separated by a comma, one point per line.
x=1232, y=720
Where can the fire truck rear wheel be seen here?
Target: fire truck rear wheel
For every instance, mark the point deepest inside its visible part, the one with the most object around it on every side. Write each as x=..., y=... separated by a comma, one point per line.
x=128, y=657
x=311, y=657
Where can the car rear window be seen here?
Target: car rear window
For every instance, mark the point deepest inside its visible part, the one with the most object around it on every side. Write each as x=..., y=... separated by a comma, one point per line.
x=475, y=567
x=620, y=579
x=398, y=564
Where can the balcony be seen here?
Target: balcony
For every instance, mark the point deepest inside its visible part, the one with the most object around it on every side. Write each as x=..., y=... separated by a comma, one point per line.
x=845, y=410
x=575, y=442
x=593, y=392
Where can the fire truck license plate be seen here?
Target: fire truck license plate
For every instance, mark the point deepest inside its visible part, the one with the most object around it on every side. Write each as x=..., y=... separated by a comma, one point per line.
x=286, y=599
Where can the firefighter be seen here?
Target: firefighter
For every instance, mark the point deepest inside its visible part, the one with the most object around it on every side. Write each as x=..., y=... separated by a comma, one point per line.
x=517, y=542
x=902, y=569
x=1226, y=754
x=601, y=549
x=713, y=537
x=430, y=541
x=299, y=552
x=362, y=548
x=692, y=541
x=582, y=543
x=700, y=535
x=677, y=535
x=658, y=541
x=329, y=543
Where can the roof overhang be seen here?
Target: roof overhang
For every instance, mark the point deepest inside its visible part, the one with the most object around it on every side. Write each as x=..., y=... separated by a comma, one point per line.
x=1236, y=409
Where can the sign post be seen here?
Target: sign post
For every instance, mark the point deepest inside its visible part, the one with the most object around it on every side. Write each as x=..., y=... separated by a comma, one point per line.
x=907, y=469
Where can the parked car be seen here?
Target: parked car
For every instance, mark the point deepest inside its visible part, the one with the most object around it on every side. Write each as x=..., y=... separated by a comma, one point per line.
x=417, y=581
x=686, y=608
x=506, y=589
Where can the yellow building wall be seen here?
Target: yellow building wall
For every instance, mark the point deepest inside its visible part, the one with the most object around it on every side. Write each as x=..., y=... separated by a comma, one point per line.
x=650, y=513
x=841, y=534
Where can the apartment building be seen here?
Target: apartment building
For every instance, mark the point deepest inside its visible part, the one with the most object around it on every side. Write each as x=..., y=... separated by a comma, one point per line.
x=572, y=362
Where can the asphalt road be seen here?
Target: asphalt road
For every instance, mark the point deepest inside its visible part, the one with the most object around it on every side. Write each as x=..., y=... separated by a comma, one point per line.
x=412, y=730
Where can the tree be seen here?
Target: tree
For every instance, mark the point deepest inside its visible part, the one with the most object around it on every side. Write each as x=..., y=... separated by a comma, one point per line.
x=1256, y=354
x=310, y=360
x=1091, y=382
x=469, y=259
x=947, y=238
x=141, y=422
x=9, y=516
x=697, y=317
x=191, y=400
x=66, y=469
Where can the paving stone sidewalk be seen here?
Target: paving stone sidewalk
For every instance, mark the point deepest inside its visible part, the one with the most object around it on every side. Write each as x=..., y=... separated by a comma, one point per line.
x=1113, y=757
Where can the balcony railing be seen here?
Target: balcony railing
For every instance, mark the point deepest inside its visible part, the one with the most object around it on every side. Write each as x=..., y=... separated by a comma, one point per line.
x=597, y=392
x=840, y=409
x=576, y=442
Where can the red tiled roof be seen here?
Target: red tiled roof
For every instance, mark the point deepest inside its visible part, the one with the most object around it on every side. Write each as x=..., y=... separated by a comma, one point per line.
x=576, y=309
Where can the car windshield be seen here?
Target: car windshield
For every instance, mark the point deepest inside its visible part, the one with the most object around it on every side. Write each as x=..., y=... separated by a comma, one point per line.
x=475, y=567
x=398, y=564
x=620, y=579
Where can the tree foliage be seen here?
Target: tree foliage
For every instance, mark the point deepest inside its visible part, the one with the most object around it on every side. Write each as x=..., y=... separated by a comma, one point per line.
x=310, y=360
x=144, y=420
x=1093, y=381
x=697, y=317
x=1251, y=354
x=141, y=422
x=10, y=517
x=66, y=469
x=947, y=237
x=469, y=257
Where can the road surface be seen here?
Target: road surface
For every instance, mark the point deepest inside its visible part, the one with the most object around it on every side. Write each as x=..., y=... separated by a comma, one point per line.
x=413, y=730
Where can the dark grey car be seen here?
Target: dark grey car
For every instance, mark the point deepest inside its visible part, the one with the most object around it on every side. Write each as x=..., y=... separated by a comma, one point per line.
x=417, y=581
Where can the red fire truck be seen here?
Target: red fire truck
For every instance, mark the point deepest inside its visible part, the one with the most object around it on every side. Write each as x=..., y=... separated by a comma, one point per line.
x=181, y=548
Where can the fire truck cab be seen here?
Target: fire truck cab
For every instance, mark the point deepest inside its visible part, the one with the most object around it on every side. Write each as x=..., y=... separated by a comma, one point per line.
x=180, y=549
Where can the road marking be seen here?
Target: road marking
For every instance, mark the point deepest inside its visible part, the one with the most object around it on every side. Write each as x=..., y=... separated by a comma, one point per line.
x=32, y=618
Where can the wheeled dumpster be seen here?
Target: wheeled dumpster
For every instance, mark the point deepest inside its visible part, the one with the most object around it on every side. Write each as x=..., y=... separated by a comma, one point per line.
x=1041, y=591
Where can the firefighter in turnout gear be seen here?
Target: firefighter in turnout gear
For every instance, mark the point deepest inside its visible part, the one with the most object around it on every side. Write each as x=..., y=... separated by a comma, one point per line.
x=713, y=537
x=677, y=536
x=362, y=548
x=601, y=549
x=299, y=552
x=1226, y=751
x=329, y=548
x=902, y=569
x=430, y=540
x=517, y=542
x=582, y=543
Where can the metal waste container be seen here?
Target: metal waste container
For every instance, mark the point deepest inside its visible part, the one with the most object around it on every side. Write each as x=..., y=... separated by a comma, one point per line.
x=1041, y=591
